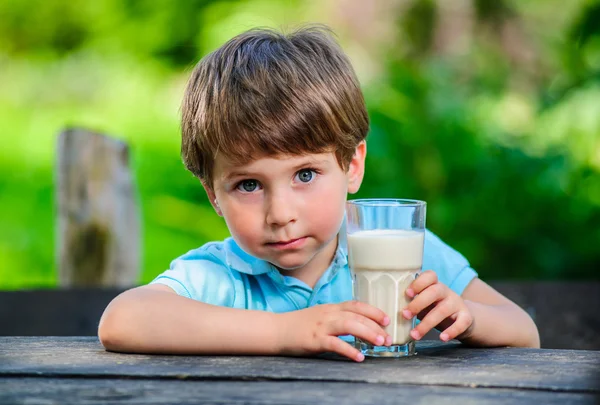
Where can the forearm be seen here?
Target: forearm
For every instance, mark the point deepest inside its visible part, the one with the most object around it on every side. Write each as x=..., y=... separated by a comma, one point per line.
x=500, y=325
x=148, y=321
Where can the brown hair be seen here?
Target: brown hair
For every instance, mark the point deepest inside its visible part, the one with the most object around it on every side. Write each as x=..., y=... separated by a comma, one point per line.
x=266, y=93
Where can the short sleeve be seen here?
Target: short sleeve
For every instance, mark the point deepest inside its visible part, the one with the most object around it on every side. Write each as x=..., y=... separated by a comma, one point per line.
x=201, y=275
x=451, y=267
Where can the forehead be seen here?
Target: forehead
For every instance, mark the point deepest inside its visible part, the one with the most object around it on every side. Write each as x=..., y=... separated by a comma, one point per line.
x=225, y=167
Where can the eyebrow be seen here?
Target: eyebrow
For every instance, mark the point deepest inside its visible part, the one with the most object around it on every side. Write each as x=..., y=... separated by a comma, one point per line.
x=305, y=163
x=311, y=162
x=233, y=175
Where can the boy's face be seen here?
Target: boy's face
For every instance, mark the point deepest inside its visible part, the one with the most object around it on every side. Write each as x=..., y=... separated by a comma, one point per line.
x=286, y=210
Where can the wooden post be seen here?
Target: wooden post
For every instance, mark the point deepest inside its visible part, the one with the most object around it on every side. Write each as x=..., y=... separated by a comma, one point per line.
x=98, y=225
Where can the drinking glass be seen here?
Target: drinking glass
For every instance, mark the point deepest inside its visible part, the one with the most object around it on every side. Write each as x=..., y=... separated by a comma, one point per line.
x=385, y=253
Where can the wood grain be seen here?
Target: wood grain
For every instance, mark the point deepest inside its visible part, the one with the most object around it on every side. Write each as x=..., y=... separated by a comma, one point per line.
x=151, y=391
x=436, y=364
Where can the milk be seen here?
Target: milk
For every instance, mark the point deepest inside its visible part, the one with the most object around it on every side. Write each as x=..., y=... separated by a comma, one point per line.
x=384, y=263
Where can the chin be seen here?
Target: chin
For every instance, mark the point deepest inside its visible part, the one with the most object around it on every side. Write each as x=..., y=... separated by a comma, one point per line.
x=290, y=264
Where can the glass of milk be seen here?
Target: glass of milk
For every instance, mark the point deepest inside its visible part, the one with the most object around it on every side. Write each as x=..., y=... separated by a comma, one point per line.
x=385, y=253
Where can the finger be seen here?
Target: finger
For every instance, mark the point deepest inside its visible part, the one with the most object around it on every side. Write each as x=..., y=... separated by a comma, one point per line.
x=464, y=320
x=439, y=313
x=349, y=326
x=367, y=310
x=430, y=295
x=337, y=345
x=369, y=323
x=424, y=280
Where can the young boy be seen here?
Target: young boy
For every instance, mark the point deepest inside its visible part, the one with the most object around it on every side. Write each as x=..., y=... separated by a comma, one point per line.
x=274, y=127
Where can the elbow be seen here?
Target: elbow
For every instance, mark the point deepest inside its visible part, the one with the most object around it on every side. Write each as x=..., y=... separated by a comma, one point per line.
x=535, y=337
x=534, y=341
x=108, y=331
x=112, y=329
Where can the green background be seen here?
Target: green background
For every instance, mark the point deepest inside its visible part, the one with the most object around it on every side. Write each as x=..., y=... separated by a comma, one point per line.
x=489, y=110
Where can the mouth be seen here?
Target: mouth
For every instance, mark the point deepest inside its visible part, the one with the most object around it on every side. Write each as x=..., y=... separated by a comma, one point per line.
x=288, y=244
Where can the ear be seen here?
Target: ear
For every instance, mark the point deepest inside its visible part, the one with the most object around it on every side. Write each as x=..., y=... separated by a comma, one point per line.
x=356, y=169
x=212, y=198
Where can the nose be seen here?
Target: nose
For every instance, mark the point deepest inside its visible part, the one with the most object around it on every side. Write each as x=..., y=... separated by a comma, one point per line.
x=280, y=210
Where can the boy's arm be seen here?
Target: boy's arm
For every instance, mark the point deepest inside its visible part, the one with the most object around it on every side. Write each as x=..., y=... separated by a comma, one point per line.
x=497, y=321
x=481, y=316
x=154, y=319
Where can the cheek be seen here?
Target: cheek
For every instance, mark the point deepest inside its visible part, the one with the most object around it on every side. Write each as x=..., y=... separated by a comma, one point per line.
x=240, y=222
x=327, y=209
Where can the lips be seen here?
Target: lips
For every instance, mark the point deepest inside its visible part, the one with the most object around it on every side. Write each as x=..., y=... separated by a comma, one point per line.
x=288, y=244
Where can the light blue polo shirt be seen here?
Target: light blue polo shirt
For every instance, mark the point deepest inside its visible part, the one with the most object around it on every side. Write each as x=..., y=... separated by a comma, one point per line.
x=221, y=273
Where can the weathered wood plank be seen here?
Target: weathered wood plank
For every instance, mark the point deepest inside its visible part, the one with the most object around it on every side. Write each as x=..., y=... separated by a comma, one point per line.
x=436, y=364
x=93, y=391
x=98, y=217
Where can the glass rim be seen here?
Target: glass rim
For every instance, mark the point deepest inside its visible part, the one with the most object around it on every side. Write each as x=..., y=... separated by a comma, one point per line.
x=387, y=202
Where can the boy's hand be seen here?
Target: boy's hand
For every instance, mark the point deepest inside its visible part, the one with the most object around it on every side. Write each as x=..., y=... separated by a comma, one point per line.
x=437, y=306
x=316, y=329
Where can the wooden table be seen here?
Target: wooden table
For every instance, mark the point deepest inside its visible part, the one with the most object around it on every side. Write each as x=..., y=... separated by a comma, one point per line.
x=77, y=370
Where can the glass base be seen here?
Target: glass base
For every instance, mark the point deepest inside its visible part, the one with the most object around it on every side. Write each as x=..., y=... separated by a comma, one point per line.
x=370, y=350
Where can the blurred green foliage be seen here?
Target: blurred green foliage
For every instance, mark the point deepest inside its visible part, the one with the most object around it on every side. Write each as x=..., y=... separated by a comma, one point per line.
x=492, y=116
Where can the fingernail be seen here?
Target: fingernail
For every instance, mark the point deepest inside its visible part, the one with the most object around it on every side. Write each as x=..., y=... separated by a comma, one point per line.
x=444, y=337
x=360, y=357
x=407, y=314
x=379, y=341
x=388, y=341
x=386, y=321
x=415, y=334
x=410, y=292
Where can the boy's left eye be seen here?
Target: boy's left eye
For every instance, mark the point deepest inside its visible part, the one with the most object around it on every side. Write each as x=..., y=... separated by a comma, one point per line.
x=305, y=175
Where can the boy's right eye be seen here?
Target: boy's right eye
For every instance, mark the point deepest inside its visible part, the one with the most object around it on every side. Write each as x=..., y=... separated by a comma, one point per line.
x=248, y=186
